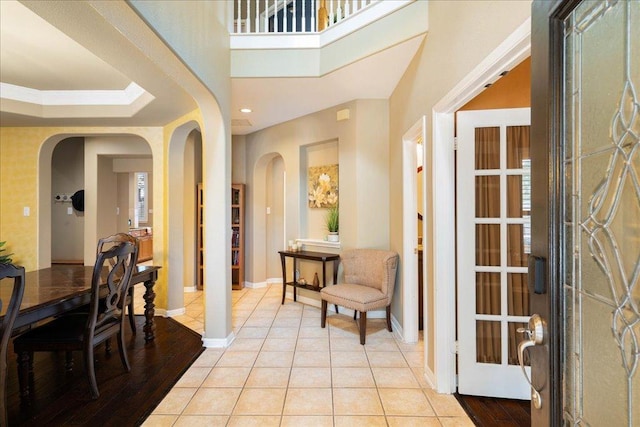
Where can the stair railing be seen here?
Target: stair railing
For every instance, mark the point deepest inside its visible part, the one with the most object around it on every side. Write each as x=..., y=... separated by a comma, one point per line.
x=292, y=16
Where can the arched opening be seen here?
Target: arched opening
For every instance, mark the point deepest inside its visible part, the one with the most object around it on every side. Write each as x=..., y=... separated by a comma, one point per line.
x=268, y=218
x=92, y=163
x=185, y=164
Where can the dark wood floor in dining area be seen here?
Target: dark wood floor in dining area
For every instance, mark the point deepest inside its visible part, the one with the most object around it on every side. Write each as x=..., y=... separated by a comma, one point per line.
x=126, y=399
x=490, y=411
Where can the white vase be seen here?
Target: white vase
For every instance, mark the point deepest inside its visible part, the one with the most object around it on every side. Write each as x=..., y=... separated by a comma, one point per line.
x=333, y=236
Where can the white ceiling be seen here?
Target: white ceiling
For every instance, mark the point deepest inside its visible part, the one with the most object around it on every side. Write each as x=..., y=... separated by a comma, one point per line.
x=45, y=59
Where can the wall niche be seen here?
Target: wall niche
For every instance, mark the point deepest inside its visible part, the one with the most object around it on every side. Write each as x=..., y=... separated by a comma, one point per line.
x=313, y=206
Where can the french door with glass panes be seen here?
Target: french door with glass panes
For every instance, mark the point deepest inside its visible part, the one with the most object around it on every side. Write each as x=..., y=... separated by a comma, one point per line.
x=494, y=238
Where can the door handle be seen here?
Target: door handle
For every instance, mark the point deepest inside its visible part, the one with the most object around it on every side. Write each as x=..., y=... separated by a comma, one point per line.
x=534, y=335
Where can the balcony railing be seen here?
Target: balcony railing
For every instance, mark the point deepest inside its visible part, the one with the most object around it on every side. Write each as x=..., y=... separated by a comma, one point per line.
x=293, y=16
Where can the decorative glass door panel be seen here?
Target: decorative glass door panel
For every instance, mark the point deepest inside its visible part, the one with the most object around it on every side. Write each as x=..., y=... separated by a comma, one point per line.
x=600, y=242
x=494, y=241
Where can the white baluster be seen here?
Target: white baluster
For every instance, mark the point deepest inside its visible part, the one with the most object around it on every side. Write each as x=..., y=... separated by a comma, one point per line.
x=239, y=17
x=294, y=24
x=339, y=12
x=247, y=22
x=314, y=9
x=355, y=7
x=257, y=18
x=266, y=16
x=304, y=16
x=285, y=17
x=275, y=16
x=346, y=9
x=331, y=15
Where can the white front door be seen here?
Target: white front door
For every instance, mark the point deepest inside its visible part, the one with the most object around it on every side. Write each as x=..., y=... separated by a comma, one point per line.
x=494, y=239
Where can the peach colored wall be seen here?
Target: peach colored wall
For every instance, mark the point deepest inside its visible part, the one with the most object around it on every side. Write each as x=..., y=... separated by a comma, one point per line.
x=511, y=91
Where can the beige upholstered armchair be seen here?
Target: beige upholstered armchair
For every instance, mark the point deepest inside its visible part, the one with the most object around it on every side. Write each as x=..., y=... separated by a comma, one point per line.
x=369, y=279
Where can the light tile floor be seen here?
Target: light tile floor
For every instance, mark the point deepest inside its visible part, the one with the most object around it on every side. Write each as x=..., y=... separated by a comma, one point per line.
x=283, y=369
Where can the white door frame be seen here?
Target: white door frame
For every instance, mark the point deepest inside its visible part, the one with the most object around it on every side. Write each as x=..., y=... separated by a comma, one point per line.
x=507, y=55
x=417, y=133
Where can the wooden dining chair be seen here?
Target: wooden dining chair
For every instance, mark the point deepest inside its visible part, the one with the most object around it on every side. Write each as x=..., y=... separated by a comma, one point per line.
x=130, y=296
x=79, y=331
x=8, y=271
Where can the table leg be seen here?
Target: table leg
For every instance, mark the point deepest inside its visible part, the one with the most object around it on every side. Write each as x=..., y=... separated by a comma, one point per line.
x=324, y=275
x=149, y=310
x=284, y=276
x=295, y=279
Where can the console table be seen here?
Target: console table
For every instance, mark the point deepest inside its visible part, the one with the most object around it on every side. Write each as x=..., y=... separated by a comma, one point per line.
x=309, y=256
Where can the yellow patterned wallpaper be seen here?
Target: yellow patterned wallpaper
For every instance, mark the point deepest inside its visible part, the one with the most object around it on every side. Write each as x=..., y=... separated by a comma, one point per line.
x=20, y=149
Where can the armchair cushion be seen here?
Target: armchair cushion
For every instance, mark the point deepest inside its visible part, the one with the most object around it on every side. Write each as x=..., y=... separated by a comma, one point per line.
x=356, y=297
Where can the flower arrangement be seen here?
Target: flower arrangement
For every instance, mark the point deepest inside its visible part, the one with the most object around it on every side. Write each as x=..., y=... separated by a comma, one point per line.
x=332, y=219
x=4, y=258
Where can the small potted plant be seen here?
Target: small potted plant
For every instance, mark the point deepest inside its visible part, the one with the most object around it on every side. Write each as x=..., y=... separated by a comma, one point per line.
x=4, y=258
x=333, y=224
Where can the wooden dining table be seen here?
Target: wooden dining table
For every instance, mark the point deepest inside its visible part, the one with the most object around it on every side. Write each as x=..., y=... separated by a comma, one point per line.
x=52, y=291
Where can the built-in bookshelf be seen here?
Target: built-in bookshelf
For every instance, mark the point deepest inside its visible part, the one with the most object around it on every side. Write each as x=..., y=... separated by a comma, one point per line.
x=237, y=236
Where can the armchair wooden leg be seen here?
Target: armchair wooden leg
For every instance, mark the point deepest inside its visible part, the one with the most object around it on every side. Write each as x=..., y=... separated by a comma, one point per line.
x=389, y=318
x=363, y=326
x=355, y=313
x=323, y=316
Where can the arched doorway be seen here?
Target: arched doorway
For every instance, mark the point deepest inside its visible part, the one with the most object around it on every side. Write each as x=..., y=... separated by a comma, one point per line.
x=185, y=164
x=268, y=218
x=94, y=172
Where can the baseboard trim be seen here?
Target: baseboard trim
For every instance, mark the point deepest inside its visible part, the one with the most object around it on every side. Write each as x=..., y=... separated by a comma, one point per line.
x=159, y=312
x=255, y=285
x=398, y=332
x=176, y=312
x=190, y=289
x=218, y=342
x=429, y=377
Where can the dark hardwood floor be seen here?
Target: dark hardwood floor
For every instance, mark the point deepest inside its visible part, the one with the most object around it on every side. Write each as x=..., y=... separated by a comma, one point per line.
x=126, y=399
x=490, y=412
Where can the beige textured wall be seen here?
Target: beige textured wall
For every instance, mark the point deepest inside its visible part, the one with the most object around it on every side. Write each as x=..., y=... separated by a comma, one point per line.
x=67, y=176
x=100, y=184
x=461, y=34
x=275, y=219
x=362, y=154
x=197, y=32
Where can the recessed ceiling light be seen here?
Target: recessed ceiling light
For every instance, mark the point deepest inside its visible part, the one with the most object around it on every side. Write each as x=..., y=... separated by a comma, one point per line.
x=245, y=110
